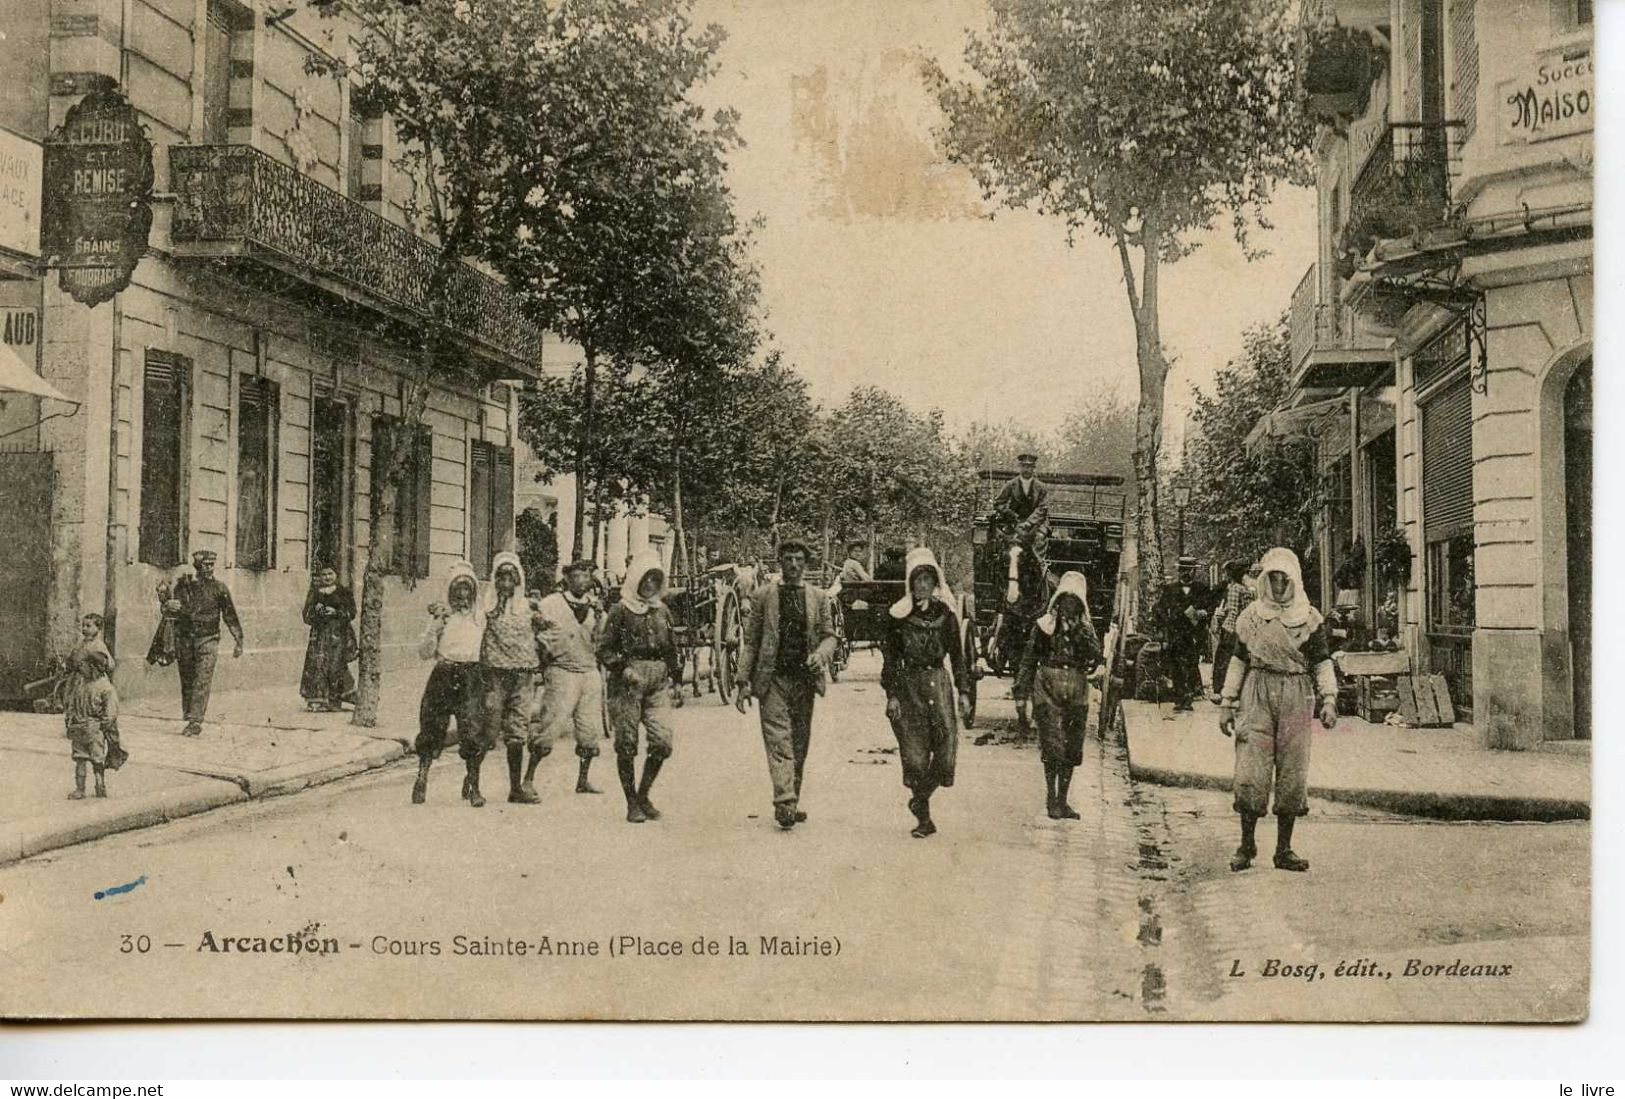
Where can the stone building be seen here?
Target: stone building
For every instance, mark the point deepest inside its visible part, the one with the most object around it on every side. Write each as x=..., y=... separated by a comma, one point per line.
x=1442, y=342
x=233, y=393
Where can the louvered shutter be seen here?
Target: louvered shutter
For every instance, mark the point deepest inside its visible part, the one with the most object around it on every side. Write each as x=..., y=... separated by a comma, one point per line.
x=423, y=470
x=1447, y=462
x=502, y=499
x=163, y=423
x=479, y=507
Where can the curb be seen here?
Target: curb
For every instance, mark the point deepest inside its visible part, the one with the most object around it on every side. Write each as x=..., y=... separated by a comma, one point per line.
x=31, y=836
x=1432, y=804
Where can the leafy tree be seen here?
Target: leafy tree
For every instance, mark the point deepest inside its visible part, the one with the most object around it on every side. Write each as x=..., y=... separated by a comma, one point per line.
x=600, y=238
x=1143, y=121
x=436, y=69
x=1243, y=502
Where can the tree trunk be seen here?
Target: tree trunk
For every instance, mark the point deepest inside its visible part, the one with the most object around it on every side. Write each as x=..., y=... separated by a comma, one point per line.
x=826, y=534
x=598, y=536
x=778, y=504
x=583, y=450
x=1153, y=370
x=677, y=514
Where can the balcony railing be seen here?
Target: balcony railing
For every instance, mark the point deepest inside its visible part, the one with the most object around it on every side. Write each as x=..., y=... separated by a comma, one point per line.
x=1403, y=190
x=234, y=200
x=1328, y=352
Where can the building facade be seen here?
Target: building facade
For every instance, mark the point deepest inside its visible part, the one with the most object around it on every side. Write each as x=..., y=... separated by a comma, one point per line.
x=233, y=395
x=1442, y=343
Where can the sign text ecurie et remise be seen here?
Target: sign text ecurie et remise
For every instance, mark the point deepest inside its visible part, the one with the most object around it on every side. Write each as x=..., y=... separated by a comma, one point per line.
x=98, y=195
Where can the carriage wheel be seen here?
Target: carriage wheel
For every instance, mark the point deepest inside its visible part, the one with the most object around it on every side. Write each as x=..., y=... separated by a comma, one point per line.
x=967, y=617
x=843, y=648
x=725, y=647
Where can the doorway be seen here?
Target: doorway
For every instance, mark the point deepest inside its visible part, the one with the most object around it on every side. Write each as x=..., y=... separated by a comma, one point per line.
x=1577, y=416
x=332, y=473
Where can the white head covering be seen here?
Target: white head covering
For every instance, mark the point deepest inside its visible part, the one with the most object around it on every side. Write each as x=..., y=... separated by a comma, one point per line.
x=1296, y=611
x=642, y=565
x=1072, y=583
x=462, y=570
x=506, y=557
x=922, y=557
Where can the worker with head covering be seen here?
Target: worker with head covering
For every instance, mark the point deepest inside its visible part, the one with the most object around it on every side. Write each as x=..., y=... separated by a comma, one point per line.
x=455, y=690
x=639, y=653
x=1055, y=669
x=508, y=658
x=920, y=647
x=1279, y=665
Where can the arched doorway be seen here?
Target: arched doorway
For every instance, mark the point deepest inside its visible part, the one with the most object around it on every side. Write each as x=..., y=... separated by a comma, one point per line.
x=1577, y=416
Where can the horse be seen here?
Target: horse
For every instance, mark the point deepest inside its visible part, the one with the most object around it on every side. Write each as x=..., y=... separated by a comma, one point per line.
x=1027, y=590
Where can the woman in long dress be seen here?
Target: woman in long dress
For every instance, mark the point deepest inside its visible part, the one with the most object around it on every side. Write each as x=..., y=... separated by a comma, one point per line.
x=329, y=611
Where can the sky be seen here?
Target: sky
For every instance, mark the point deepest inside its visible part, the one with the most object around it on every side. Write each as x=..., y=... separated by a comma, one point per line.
x=880, y=266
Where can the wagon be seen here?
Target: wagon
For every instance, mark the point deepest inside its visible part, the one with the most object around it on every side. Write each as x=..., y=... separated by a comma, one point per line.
x=707, y=613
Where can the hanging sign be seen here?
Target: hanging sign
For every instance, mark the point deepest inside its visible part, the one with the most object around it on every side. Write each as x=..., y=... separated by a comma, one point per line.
x=98, y=195
x=19, y=195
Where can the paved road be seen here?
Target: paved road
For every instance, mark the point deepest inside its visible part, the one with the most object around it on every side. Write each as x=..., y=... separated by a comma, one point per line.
x=1128, y=914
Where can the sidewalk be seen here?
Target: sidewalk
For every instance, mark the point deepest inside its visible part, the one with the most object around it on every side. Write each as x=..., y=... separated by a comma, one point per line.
x=1440, y=773
x=256, y=744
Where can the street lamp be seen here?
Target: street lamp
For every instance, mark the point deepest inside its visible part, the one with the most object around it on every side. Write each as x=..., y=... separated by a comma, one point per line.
x=1182, y=499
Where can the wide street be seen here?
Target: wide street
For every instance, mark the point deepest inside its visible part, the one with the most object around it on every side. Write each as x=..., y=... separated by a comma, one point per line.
x=1128, y=914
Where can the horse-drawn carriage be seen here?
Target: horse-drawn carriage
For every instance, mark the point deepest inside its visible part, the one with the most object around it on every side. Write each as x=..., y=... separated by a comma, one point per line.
x=1012, y=585
x=707, y=616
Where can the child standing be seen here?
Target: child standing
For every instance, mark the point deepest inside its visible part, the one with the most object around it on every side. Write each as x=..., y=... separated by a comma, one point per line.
x=452, y=641
x=639, y=655
x=1061, y=653
x=508, y=660
x=90, y=709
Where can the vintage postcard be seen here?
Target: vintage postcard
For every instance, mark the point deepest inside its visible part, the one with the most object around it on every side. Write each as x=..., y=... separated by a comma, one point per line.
x=828, y=510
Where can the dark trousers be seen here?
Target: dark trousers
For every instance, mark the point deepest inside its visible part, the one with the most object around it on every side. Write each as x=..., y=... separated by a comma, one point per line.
x=1186, y=672
x=195, y=657
x=454, y=691
x=1221, y=658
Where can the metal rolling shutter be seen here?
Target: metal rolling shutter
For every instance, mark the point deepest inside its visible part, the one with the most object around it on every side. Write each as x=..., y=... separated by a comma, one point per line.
x=1447, y=462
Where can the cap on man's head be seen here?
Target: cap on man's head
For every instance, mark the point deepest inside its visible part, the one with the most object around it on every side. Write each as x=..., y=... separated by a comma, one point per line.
x=203, y=555
x=792, y=546
x=1187, y=562
x=580, y=565
x=1027, y=457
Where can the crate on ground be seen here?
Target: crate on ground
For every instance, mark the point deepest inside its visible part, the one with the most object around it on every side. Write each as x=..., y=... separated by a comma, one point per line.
x=1424, y=701
x=1376, y=696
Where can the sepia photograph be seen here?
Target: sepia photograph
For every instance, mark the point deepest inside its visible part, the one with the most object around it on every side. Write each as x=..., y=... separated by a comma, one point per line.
x=796, y=510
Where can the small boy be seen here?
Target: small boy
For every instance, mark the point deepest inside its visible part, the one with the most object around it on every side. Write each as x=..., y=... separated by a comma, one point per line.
x=90, y=709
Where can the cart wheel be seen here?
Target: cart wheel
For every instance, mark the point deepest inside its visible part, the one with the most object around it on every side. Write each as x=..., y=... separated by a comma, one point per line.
x=967, y=618
x=725, y=647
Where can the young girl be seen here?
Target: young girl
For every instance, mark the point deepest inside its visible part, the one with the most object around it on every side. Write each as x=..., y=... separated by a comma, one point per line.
x=508, y=659
x=90, y=709
x=1055, y=667
x=639, y=655
x=1279, y=664
x=922, y=633
x=454, y=690
x=329, y=610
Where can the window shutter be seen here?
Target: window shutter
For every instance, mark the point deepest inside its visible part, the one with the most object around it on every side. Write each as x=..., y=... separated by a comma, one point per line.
x=1464, y=50
x=383, y=433
x=1447, y=462
x=256, y=451
x=163, y=422
x=423, y=475
x=502, y=499
x=479, y=507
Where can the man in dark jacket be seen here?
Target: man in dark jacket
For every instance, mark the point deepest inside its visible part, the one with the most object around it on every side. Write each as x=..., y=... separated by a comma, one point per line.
x=1182, y=613
x=1021, y=509
x=199, y=604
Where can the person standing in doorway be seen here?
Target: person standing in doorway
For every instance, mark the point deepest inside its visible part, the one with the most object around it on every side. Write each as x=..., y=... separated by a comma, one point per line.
x=639, y=653
x=200, y=603
x=921, y=646
x=329, y=611
x=788, y=642
x=1281, y=663
x=572, y=690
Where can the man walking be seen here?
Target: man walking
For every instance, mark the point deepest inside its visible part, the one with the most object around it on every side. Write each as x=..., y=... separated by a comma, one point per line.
x=198, y=604
x=572, y=695
x=788, y=641
x=1182, y=615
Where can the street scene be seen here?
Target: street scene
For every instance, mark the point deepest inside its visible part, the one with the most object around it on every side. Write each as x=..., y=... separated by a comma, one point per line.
x=981, y=510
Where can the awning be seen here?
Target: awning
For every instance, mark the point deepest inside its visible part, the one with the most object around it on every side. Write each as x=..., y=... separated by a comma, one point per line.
x=19, y=377
x=1303, y=422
